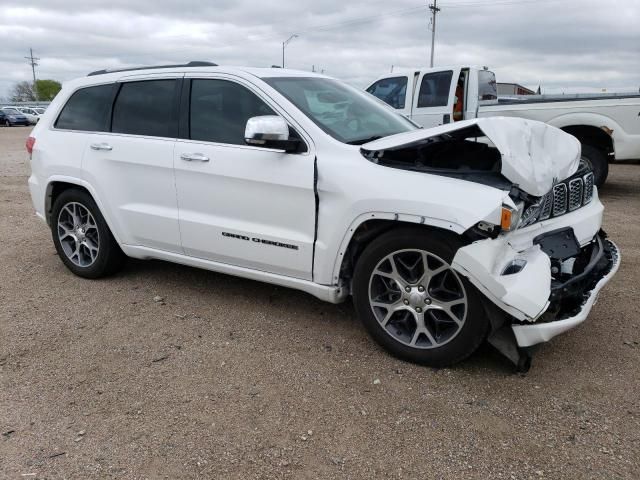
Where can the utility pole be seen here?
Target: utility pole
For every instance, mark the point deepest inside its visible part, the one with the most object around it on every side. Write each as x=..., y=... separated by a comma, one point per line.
x=434, y=10
x=33, y=62
x=285, y=43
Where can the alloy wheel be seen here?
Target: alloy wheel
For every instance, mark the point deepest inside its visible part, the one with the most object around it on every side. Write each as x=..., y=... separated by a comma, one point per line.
x=417, y=298
x=78, y=234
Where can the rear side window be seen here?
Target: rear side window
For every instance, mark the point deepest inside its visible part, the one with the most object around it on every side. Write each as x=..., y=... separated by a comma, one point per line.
x=146, y=108
x=86, y=110
x=434, y=89
x=220, y=109
x=390, y=90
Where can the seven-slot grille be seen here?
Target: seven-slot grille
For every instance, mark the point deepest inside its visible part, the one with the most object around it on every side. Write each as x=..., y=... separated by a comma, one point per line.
x=565, y=197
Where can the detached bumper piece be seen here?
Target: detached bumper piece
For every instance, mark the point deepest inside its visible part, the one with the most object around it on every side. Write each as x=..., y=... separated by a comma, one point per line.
x=577, y=281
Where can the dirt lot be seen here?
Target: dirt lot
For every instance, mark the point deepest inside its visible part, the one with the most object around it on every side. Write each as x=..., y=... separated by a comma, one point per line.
x=229, y=378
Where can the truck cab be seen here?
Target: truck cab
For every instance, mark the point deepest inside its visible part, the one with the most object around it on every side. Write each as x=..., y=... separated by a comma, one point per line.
x=436, y=96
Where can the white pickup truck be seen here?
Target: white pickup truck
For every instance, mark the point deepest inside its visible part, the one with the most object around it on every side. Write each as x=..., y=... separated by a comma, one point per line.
x=607, y=125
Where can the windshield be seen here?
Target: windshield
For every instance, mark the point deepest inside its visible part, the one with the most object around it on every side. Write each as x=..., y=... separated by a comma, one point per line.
x=345, y=113
x=11, y=111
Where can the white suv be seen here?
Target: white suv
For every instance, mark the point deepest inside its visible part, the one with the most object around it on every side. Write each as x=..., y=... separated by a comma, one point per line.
x=444, y=237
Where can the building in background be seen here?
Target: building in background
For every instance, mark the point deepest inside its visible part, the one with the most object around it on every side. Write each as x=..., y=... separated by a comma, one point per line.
x=513, y=89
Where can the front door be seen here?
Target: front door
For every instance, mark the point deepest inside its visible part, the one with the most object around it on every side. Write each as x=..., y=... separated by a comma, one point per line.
x=238, y=204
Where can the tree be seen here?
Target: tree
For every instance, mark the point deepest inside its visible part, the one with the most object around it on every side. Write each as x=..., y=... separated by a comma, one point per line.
x=22, y=92
x=47, y=89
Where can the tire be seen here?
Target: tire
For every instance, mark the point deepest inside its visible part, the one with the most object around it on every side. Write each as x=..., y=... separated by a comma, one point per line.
x=599, y=163
x=7, y=123
x=439, y=340
x=82, y=238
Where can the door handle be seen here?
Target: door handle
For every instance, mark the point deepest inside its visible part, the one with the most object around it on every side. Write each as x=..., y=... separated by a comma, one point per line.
x=101, y=146
x=194, y=157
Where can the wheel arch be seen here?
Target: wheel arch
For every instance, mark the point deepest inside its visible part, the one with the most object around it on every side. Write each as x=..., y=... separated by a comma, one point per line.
x=590, y=129
x=364, y=230
x=57, y=185
x=595, y=136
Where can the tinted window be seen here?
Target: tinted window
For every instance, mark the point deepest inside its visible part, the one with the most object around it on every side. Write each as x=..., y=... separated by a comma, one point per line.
x=220, y=110
x=390, y=90
x=86, y=110
x=434, y=89
x=146, y=108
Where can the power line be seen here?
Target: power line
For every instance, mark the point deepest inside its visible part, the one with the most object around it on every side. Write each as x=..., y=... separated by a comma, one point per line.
x=355, y=21
x=496, y=3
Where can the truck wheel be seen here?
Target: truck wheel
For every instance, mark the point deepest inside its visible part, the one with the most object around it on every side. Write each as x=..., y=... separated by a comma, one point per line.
x=82, y=238
x=599, y=163
x=413, y=303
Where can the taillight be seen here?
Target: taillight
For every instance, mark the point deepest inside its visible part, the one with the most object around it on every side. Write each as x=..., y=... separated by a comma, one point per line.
x=31, y=141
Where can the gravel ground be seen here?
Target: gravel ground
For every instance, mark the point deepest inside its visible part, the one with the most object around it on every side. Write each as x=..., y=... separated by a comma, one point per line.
x=228, y=378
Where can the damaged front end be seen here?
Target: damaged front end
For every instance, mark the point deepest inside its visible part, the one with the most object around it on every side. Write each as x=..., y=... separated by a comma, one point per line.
x=542, y=270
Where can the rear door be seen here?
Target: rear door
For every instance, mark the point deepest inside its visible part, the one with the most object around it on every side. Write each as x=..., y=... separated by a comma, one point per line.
x=433, y=102
x=131, y=166
x=241, y=205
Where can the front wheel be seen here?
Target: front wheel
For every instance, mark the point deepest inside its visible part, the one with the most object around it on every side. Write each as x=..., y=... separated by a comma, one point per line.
x=413, y=303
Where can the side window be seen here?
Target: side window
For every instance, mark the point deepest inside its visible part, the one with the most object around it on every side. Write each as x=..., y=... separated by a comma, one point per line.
x=434, y=89
x=220, y=110
x=146, y=108
x=487, y=87
x=390, y=90
x=86, y=110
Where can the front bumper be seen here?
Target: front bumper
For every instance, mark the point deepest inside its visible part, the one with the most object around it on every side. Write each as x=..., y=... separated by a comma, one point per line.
x=572, y=300
x=551, y=291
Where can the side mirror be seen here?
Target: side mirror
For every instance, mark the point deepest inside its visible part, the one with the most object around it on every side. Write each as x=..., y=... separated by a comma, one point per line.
x=269, y=131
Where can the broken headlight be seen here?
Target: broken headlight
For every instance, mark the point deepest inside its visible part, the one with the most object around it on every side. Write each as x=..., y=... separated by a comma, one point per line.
x=530, y=215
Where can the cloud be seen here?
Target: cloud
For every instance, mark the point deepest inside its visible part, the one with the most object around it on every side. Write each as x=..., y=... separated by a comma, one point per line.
x=561, y=44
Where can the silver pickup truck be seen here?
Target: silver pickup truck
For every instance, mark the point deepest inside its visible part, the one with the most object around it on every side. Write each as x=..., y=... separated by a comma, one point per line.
x=607, y=125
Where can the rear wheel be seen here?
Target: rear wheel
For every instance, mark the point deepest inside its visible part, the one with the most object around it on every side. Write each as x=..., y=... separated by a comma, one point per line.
x=599, y=162
x=413, y=303
x=7, y=123
x=82, y=238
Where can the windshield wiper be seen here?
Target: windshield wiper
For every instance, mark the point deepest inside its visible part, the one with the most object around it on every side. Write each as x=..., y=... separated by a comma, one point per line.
x=364, y=140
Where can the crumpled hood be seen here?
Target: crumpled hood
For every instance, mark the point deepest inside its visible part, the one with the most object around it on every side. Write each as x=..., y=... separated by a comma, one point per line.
x=534, y=155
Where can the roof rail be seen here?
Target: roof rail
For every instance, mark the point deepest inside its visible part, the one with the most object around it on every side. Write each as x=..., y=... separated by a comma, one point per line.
x=190, y=64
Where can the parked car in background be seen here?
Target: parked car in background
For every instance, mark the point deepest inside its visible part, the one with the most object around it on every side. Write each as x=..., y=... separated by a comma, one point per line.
x=32, y=115
x=486, y=228
x=39, y=110
x=607, y=125
x=10, y=117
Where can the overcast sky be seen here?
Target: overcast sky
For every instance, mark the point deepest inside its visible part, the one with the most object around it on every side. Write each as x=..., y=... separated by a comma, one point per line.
x=571, y=45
